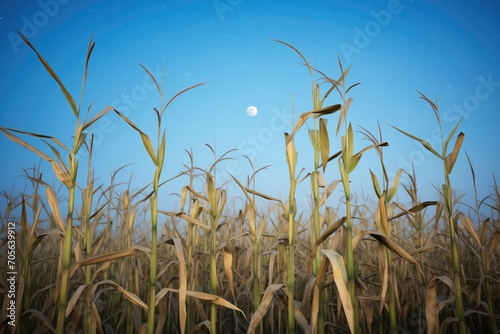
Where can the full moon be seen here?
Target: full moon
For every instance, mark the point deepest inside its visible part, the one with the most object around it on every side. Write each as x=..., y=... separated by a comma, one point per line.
x=251, y=111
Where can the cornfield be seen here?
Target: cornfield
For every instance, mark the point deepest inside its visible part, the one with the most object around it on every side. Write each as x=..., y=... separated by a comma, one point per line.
x=119, y=263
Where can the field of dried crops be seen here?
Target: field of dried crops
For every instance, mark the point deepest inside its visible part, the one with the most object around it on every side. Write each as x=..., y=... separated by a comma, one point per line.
x=118, y=263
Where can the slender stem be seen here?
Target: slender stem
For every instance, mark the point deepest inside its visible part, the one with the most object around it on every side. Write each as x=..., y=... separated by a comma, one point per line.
x=66, y=261
x=213, y=273
x=350, y=262
x=391, y=292
x=291, y=272
x=154, y=253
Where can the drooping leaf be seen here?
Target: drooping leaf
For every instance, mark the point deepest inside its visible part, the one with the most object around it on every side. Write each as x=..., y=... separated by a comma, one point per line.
x=74, y=299
x=415, y=209
x=96, y=117
x=300, y=122
x=327, y=110
x=180, y=93
x=432, y=306
x=433, y=105
x=202, y=296
x=145, y=139
x=133, y=298
x=160, y=92
x=340, y=279
x=387, y=242
x=421, y=141
x=263, y=306
x=53, y=74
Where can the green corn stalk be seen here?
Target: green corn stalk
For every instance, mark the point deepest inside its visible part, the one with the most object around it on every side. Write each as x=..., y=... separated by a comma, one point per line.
x=291, y=157
x=87, y=198
x=347, y=163
x=255, y=230
x=449, y=160
x=481, y=240
x=321, y=145
x=66, y=173
x=383, y=222
x=157, y=156
x=385, y=196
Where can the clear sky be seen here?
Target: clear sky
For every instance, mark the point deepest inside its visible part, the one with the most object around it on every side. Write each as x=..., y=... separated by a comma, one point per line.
x=448, y=50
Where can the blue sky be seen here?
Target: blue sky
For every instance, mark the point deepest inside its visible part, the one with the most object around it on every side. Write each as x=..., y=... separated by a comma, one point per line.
x=447, y=50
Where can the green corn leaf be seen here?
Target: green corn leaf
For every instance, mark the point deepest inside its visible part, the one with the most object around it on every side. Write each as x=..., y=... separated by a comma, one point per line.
x=291, y=155
x=324, y=142
x=353, y=162
x=345, y=179
x=447, y=199
x=211, y=193
x=348, y=148
x=314, y=138
x=161, y=151
x=394, y=186
x=80, y=138
x=376, y=185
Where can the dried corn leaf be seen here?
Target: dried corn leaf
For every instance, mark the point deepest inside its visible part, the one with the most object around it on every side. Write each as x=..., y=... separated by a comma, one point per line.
x=74, y=299
x=469, y=226
x=114, y=255
x=133, y=298
x=395, y=248
x=53, y=74
x=228, y=268
x=263, y=306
